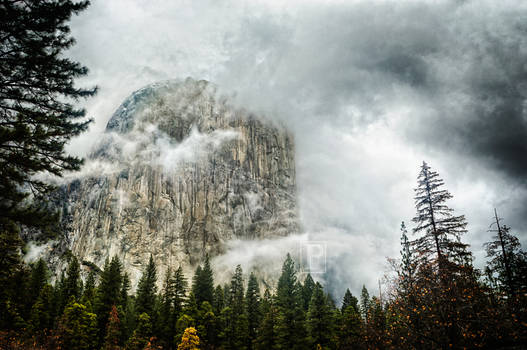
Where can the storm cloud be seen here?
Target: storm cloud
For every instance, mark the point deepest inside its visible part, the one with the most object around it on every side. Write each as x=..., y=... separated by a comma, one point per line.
x=370, y=90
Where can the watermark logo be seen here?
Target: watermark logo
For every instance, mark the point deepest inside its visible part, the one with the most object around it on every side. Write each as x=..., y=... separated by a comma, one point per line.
x=313, y=257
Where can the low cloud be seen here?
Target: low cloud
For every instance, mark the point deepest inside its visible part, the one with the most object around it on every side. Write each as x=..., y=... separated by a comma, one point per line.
x=369, y=88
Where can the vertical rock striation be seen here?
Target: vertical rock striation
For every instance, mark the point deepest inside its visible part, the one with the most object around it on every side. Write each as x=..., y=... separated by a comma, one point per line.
x=181, y=173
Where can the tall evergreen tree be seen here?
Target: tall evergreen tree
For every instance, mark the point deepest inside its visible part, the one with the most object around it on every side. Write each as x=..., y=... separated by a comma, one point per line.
x=88, y=295
x=146, y=289
x=507, y=261
x=290, y=326
x=42, y=316
x=37, y=87
x=142, y=333
x=219, y=300
x=108, y=294
x=203, y=283
x=266, y=332
x=350, y=330
x=407, y=267
x=253, y=309
x=72, y=283
x=180, y=291
x=11, y=266
x=307, y=291
x=364, y=303
x=349, y=300
x=125, y=287
x=320, y=322
x=235, y=316
x=168, y=317
x=440, y=241
x=39, y=278
x=78, y=328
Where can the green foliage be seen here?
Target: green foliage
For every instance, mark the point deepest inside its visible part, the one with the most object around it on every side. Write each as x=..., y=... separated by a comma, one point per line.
x=72, y=283
x=364, y=303
x=290, y=324
x=42, y=311
x=88, y=295
x=142, y=333
x=266, y=331
x=349, y=300
x=37, y=118
x=146, y=289
x=78, y=328
x=350, y=333
x=184, y=322
x=207, y=326
x=219, y=300
x=508, y=263
x=307, y=291
x=11, y=267
x=203, y=283
x=108, y=294
x=253, y=309
x=38, y=279
x=320, y=322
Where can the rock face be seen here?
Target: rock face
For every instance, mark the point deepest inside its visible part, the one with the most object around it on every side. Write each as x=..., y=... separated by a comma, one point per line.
x=178, y=174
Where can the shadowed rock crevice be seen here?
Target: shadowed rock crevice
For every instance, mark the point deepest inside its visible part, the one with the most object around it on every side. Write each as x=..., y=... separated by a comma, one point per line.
x=189, y=173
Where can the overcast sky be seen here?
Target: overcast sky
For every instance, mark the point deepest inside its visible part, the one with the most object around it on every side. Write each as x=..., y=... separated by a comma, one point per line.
x=370, y=90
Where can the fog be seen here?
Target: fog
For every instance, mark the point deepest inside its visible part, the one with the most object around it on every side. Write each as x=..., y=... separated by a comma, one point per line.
x=370, y=89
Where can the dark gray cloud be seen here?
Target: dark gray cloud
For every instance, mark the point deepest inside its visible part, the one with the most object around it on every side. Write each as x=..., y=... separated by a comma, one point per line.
x=370, y=89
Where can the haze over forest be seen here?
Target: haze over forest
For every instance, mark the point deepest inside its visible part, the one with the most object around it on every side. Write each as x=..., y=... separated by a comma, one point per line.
x=369, y=88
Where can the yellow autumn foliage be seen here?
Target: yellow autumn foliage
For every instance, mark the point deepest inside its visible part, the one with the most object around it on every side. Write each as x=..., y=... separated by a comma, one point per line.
x=189, y=340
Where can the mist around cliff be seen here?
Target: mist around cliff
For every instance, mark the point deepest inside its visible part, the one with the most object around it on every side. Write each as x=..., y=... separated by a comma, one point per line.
x=369, y=88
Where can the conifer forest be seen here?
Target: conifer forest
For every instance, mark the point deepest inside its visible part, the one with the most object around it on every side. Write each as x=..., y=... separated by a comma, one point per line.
x=435, y=295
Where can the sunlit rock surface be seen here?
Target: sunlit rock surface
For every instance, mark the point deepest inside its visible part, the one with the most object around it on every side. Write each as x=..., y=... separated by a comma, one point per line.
x=181, y=173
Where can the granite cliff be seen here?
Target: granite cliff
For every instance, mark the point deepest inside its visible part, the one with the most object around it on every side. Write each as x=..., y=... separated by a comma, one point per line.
x=179, y=173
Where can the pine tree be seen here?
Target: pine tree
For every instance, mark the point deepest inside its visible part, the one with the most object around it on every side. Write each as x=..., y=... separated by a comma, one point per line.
x=364, y=303
x=253, y=308
x=125, y=287
x=39, y=278
x=108, y=294
x=207, y=326
x=320, y=322
x=88, y=295
x=72, y=282
x=189, y=340
x=146, y=290
x=440, y=243
x=180, y=291
x=407, y=267
x=290, y=328
x=507, y=260
x=266, y=332
x=37, y=118
x=142, y=333
x=203, y=283
x=350, y=332
x=11, y=265
x=78, y=328
x=307, y=291
x=111, y=341
x=235, y=321
x=219, y=302
x=42, y=311
x=349, y=300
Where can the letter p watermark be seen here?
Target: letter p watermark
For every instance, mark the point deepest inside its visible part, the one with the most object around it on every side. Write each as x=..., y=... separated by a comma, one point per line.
x=313, y=257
